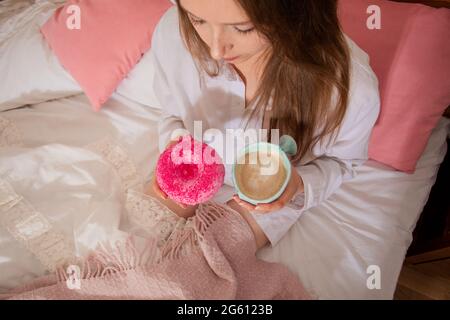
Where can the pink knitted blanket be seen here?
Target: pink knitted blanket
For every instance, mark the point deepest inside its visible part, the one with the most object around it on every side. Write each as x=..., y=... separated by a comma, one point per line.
x=214, y=259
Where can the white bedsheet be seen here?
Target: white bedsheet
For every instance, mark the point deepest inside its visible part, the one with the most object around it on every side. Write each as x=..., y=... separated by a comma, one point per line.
x=368, y=221
x=71, y=166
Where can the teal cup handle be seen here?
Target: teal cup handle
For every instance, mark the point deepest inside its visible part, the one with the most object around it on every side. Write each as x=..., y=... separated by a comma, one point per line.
x=287, y=147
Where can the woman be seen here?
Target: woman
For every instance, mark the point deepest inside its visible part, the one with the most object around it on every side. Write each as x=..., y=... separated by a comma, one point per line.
x=272, y=64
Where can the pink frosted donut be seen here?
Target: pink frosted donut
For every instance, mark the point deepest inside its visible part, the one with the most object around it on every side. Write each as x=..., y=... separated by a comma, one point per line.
x=190, y=172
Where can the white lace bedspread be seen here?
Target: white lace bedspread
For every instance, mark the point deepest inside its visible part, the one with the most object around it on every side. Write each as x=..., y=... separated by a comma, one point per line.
x=65, y=171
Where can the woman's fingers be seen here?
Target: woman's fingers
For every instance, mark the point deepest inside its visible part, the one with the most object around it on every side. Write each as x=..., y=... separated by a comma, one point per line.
x=160, y=193
x=243, y=203
x=269, y=207
x=163, y=195
x=261, y=207
x=182, y=205
x=172, y=142
x=157, y=190
x=278, y=204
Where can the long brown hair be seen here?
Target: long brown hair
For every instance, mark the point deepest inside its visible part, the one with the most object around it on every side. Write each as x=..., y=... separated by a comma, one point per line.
x=307, y=73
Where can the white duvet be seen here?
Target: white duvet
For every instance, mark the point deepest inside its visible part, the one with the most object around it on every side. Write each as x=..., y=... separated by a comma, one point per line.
x=64, y=170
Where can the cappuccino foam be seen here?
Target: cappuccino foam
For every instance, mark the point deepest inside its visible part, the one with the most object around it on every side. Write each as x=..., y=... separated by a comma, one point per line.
x=260, y=175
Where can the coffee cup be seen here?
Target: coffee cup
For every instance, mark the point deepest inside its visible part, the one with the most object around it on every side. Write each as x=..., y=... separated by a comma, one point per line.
x=262, y=170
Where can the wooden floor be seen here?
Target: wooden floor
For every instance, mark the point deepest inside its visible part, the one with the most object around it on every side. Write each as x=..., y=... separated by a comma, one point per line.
x=424, y=281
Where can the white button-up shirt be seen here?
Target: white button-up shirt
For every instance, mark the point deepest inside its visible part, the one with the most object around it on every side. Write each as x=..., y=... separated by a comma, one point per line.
x=187, y=94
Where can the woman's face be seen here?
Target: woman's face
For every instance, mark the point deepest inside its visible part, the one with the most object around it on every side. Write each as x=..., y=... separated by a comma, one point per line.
x=225, y=27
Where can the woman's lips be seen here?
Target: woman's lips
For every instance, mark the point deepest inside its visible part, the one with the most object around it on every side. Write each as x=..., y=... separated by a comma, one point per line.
x=230, y=59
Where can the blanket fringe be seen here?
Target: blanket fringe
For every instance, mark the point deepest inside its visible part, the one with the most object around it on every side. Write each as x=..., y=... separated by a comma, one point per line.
x=207, y=214
x=125, y=255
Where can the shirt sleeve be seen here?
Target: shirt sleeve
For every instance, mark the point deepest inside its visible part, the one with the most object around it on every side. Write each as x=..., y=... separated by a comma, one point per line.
x=170, y=121
x=325, y=174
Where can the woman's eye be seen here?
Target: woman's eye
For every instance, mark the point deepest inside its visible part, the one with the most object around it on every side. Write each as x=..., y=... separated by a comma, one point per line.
x=245, y=31
x=196, y=21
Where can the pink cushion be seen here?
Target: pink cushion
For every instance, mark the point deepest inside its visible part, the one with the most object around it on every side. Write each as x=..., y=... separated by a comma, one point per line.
x=113, y=36
x=410, y=56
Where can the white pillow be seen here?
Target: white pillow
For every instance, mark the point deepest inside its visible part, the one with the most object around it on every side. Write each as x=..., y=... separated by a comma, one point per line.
x=31, y=73
x=138, y=85
x=34, y=74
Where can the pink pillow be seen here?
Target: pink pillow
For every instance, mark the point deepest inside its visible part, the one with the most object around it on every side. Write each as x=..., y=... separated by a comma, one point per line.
x=410, y=56
x=112, y=37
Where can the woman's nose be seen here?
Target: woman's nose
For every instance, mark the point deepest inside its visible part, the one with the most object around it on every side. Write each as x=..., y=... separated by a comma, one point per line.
x=219, y=46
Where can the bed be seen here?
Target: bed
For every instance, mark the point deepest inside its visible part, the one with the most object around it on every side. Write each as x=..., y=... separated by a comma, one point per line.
x=72, y=181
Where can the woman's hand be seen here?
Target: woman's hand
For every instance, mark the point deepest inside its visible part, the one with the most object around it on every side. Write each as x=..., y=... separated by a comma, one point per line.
x=157, y=189
x=295, y=184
